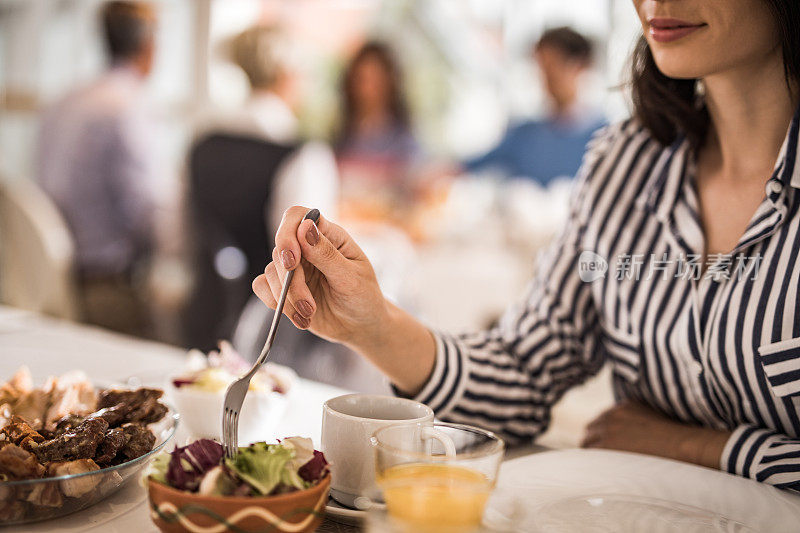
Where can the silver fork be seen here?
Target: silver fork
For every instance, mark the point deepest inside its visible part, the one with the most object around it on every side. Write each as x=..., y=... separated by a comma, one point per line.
x=234, y=397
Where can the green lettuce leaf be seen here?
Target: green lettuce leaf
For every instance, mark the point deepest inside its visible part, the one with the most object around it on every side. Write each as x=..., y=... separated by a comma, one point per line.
x=266, y=467
x=157, y=471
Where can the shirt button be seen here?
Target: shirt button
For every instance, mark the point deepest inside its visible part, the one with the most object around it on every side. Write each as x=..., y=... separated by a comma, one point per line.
x=775, y=186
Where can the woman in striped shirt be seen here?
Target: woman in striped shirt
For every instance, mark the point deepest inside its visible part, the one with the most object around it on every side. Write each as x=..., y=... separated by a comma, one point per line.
x=680, y=265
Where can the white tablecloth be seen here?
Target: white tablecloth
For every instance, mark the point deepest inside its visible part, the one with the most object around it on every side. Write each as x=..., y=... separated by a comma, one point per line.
x=52, y=347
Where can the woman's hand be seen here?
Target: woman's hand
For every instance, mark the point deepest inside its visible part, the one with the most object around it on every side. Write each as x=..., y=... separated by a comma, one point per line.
x=632, y=427
x=335, y=294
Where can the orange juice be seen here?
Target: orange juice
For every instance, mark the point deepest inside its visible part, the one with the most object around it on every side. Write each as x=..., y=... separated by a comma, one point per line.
x=435, y=497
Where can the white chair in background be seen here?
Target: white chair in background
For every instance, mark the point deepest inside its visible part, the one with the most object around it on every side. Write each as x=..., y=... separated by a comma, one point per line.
x=36, y=252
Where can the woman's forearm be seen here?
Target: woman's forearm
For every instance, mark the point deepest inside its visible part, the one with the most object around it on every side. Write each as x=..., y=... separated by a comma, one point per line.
x=632, y=427
x=702, y=446
x=401, y=347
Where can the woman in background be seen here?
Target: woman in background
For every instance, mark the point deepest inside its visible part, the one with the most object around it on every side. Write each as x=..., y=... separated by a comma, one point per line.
x=375, y=149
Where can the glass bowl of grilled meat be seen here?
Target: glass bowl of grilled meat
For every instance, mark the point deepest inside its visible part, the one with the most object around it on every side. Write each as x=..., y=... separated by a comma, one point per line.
x=76, y=446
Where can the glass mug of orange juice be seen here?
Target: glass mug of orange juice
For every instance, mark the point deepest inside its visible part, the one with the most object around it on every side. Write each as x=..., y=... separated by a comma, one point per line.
x=428, y=489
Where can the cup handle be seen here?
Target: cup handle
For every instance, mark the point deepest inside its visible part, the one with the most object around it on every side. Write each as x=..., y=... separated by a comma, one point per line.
x=429, y=432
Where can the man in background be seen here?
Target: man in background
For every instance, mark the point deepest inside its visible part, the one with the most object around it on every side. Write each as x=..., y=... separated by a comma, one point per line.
x=552, y=147
x=95, y=163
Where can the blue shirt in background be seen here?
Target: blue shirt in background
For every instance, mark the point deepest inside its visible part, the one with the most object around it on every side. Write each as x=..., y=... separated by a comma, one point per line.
x=541, y=150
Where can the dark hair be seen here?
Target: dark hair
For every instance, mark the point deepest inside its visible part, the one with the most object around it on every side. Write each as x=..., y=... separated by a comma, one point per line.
x=397, y=105
x=567, y=41
x=127, y=29
x=671, y=107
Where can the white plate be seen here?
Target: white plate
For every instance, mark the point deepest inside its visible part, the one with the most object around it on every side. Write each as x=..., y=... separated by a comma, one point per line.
x=559, y=480
x=618, y=513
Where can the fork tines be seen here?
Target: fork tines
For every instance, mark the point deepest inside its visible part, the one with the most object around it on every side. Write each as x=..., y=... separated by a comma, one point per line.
x=230, y=432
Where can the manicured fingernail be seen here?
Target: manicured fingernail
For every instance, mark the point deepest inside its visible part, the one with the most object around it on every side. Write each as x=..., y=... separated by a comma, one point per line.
x=287, y=258
x=305, y=308
x=312, y=235
x=301, y=321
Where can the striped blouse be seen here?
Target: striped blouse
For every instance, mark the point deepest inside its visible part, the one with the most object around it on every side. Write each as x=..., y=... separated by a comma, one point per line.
x=716, y=346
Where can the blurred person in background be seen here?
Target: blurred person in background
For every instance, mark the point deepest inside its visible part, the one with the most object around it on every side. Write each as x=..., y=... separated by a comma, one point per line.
x=245, y=168
x=552, y=147
x=270, y=113
x=375, y=147
x=95, y=162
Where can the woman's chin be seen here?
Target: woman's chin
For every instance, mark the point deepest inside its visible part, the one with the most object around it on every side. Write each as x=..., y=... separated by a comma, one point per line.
x=681, y=64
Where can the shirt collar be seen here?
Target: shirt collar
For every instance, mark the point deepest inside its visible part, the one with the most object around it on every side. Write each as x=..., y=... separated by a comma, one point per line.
x=667, y=177
x=787, y=168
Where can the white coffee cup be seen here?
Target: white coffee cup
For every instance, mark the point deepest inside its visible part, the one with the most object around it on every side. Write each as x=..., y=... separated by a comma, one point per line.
x=348, y=423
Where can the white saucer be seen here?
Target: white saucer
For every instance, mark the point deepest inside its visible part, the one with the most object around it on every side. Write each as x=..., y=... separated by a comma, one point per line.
x=344, y=515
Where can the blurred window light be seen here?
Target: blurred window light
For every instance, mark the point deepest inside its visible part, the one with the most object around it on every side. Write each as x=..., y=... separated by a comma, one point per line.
x=230, y=263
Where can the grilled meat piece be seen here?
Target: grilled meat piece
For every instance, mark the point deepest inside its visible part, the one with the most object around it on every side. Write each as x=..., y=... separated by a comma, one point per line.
x=32, y=406
x=150, y=411
x=80, y=442
x=147, y=412
x=114, y=415
x=19, y=384
x=140, y=440
x=131, y=398
x=16, y=463
x=72, y=394
x=46, y=495
x=30, y=443
x=47, y=434
x=114, y=440
x=18, y=430
x=6, y=493
x=66, y=423
x=140, y=405
x=6, y=412
x=12, y=510
x=77, y=487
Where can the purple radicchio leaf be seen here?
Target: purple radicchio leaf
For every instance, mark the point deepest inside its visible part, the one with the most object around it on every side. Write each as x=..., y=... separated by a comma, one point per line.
x=181, y=382
x=315, y=469
x=190, y=463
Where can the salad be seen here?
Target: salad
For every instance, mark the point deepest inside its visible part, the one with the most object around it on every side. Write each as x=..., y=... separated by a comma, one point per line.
x=260, y=469
x=213, y=372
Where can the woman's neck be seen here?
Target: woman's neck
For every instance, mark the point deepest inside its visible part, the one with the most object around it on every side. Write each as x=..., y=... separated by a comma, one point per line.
x=750, y=109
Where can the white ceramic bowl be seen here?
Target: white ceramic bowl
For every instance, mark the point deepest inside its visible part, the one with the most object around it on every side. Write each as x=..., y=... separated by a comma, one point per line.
x=201, y=411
